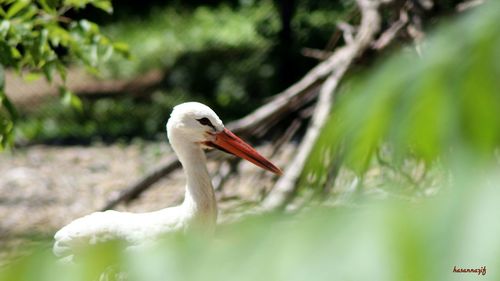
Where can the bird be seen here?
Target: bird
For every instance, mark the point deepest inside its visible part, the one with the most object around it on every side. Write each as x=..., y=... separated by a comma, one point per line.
x=191, y=128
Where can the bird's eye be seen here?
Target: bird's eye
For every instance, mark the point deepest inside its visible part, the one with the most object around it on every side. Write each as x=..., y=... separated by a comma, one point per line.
x=205, y=122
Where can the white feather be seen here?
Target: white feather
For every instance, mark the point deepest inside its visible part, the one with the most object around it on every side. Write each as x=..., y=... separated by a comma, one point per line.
x=199, y=207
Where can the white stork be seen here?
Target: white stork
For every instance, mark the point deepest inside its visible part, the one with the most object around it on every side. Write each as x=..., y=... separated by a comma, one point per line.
x=192, y=126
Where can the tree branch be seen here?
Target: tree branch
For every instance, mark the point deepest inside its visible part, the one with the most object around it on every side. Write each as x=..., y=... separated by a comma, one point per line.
x=135, y=189
x=338, y=64
x=390, y=33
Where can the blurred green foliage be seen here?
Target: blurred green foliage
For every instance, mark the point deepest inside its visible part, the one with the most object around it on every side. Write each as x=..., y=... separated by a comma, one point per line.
x=37, y=37
x=437, y=106
x=104, y=120
x=158, y=39
x=230, y=55
x=227, y=56
x=382, y=241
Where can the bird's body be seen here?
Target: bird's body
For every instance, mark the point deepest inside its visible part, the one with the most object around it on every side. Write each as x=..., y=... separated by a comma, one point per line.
x=191, y=127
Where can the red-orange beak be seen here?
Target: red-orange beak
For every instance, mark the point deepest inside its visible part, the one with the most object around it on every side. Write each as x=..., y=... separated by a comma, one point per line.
x=230, y=143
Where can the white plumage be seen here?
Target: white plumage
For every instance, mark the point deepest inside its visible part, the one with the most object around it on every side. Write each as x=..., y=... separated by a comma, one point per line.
x=192, y=126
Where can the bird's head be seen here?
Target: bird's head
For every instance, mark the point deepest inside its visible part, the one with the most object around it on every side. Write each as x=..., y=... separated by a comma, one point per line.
x=197, y=123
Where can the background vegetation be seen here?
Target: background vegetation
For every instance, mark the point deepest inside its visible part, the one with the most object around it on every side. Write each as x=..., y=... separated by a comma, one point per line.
x=230, y=56
x=417, y=132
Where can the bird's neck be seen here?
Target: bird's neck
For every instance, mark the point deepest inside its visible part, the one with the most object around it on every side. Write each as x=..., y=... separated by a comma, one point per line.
x=199, y=202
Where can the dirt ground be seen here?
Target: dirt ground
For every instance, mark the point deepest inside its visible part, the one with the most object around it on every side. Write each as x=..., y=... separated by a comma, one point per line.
x=42, y=188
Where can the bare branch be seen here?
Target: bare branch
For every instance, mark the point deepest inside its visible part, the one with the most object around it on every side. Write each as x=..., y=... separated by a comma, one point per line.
x=316, y=54
x=135, y=189
x=464, y=6
x=347, y=31
x=281, y=104
x=340, y=61
x=390, y=33
x=225, y=169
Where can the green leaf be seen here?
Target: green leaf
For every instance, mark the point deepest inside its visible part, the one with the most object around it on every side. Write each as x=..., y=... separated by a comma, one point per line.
x=17, y=7
x=2, y=77
x=6, y=55
x=6, y=103
x=61, y=69
x=15, y=53
x=42, y=45
x=88, y=27
x=104, y=5
x=122, y=48
x=6, y=133
x=49, y=6
x=69, y=99
x=48, y=70
x=58, y=35
x=32, y=76
x=6, y=120
x=76, y=3
x=4, y=28
x=31, y=12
